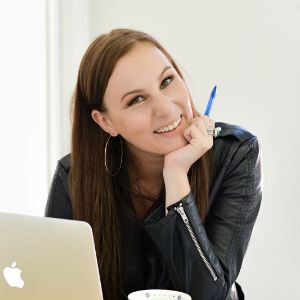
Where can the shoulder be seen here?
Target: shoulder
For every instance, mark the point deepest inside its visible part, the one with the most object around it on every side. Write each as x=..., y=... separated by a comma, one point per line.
x=234, y=131
x=62, y=170
x=237, y=162
x=233, y=139
x=65, y=162
x=58, y=203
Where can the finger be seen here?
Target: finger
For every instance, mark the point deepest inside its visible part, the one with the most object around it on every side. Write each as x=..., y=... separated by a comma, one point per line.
x=193, y=132
x=206, y=120
x=196, y=138
x=211, y=137
x=203, y=123
x=212, y=122
x=198, y=133
x=194, y=120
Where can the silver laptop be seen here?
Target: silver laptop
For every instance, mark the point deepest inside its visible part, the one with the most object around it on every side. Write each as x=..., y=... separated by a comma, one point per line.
x=47, y=258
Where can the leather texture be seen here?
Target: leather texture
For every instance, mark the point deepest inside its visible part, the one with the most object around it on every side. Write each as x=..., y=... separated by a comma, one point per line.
x=171, y=259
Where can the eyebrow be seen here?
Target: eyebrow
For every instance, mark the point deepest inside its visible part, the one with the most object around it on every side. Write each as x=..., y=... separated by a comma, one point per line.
x=140, y=91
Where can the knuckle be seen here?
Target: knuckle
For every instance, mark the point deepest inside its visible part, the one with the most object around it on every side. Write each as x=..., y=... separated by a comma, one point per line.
x=202, y=120
x=211, y=121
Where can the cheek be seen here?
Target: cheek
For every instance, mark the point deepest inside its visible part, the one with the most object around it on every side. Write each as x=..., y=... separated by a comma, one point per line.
x=184, y=99
x=136, y=132
x=133, y=127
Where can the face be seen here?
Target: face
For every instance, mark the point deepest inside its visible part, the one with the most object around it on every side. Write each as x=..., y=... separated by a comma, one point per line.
x=138, y=116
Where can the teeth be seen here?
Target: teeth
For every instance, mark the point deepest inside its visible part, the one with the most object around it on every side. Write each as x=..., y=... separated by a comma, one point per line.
x=170, y=127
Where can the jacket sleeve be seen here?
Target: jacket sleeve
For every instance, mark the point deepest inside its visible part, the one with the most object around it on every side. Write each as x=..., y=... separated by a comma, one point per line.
x=59, y=204
x=205, y=261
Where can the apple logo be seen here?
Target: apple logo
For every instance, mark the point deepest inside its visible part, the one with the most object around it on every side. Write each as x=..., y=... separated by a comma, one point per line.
x=13, y=276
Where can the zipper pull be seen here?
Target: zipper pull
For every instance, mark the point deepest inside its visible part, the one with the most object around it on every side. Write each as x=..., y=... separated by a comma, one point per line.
x=180, y=210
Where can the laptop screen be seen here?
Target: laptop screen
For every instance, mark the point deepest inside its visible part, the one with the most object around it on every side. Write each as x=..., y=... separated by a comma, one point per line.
x=47, y=258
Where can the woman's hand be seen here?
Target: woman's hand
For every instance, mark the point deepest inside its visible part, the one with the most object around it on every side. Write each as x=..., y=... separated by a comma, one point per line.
x=178, y=162
x=199, y=140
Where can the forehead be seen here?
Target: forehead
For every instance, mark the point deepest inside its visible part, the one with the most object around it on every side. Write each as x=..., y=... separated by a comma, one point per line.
x=142, y=55
x=143, y=63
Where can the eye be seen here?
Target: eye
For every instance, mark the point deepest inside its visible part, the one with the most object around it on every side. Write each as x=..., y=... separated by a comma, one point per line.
x=135, y=100
x=170, y=78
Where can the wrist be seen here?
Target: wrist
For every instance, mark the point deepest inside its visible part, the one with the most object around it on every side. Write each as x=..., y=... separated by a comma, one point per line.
x=177, y=187
x=169, y=172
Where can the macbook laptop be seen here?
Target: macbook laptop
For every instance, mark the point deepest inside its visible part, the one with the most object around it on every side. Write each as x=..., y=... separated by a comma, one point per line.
x=47, y=258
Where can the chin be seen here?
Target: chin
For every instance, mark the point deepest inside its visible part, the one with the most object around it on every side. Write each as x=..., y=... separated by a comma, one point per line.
x=183, y=142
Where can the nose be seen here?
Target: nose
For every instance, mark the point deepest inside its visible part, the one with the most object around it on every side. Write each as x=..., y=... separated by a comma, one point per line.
x=163, y=106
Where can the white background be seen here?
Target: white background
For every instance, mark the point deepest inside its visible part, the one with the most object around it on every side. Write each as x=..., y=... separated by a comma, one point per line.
x=250, y=49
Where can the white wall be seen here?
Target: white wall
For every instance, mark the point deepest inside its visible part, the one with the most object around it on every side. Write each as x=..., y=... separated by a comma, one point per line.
x=70, y=29
x=250, y=49
x=41, y=46
x=23, y=117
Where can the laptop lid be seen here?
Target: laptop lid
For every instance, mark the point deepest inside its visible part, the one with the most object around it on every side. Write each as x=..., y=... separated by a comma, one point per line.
x=47, y=258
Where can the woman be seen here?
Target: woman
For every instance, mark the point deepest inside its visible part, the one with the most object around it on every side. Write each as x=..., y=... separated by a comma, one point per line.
x=170, y=206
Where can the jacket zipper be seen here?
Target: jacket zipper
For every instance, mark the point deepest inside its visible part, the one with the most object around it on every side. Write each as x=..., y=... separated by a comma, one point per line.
x=185, y=219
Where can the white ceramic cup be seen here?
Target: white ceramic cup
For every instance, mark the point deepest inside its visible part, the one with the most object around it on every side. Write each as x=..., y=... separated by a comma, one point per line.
x=158, y=295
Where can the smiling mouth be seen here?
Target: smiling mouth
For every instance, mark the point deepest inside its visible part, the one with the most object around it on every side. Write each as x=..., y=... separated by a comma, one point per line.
x=170, y=127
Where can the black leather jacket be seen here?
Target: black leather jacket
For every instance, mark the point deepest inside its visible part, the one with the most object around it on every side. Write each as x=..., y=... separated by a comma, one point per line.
x=184, y=255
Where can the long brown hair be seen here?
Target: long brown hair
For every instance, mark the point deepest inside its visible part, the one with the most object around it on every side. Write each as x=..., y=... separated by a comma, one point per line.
x=102, y=200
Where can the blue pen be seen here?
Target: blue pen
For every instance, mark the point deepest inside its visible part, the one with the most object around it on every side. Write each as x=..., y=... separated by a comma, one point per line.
x=210, y=101
x=216, y=131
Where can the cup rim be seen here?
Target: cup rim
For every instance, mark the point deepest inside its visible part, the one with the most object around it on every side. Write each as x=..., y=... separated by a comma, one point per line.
x=178, y=294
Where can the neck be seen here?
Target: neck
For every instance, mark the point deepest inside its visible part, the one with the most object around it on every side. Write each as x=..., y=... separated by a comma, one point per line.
x=149, y=166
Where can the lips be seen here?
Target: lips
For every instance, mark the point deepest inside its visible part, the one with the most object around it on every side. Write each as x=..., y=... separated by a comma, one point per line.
x=166, y=125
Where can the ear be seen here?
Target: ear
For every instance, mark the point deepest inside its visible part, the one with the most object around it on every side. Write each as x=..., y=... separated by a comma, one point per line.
x=104, y=122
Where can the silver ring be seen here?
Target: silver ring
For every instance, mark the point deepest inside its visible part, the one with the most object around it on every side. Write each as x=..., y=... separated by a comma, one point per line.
x=214, y=131
x=209, y=129
x=217, y=131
